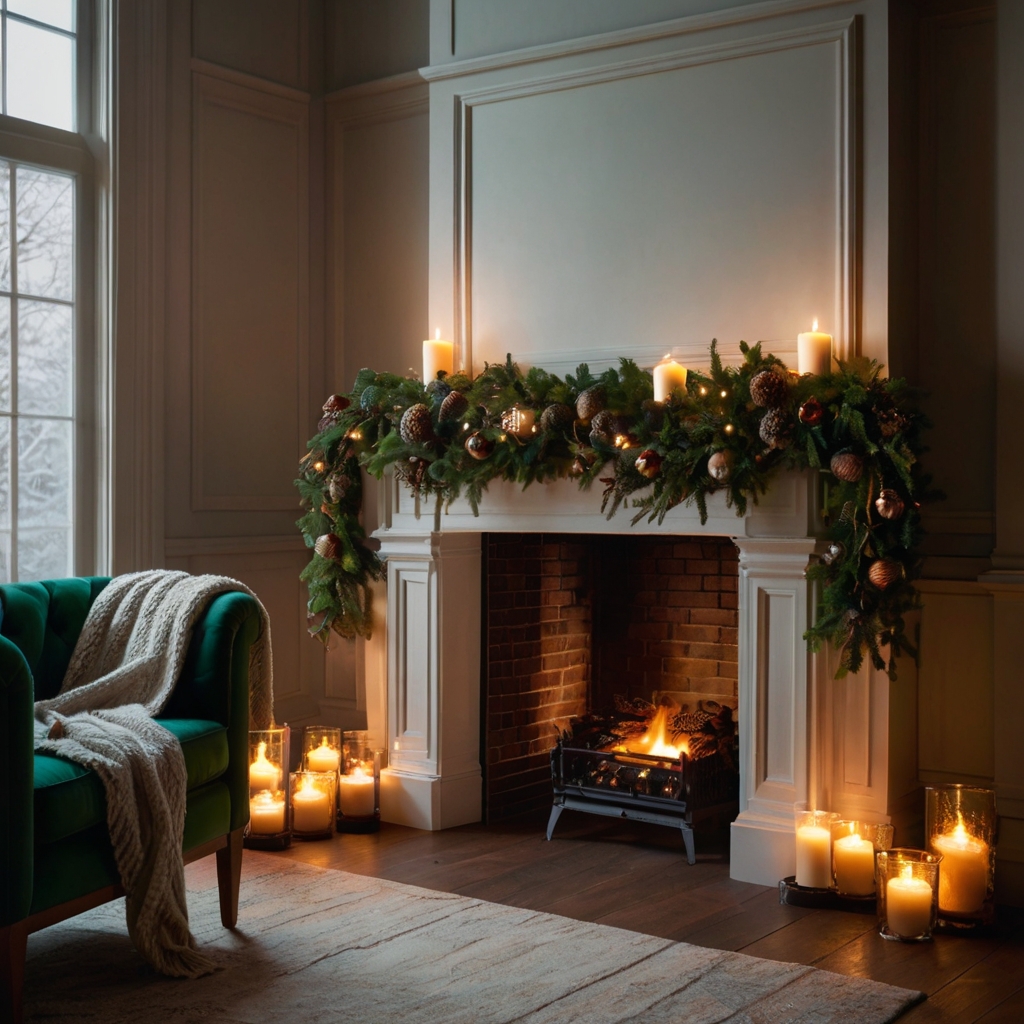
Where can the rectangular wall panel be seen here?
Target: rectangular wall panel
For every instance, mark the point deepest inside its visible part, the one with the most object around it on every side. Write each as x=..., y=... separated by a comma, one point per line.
x=777, y=687
x=250, y=286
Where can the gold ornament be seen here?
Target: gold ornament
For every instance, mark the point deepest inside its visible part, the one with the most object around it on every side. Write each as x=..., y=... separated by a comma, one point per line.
x=889, y=504
x=847, y=467
x=328, y=546
x=720, y=466
x=519, y=422
x=884, y=572
x=479, y=446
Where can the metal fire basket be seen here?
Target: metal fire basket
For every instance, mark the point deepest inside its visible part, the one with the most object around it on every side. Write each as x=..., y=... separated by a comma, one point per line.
x=643, y=787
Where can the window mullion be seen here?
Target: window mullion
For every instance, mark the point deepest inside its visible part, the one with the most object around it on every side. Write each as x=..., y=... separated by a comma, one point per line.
x=13, y=456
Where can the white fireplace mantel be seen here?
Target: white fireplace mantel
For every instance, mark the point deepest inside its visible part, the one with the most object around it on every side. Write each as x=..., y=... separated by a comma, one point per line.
x=805, y=738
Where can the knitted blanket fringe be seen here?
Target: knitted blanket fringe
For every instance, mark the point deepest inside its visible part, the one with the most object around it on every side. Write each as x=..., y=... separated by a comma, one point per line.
x=123, y=669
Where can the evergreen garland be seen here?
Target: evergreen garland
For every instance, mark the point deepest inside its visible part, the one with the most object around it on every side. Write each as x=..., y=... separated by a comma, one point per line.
x=873, y=519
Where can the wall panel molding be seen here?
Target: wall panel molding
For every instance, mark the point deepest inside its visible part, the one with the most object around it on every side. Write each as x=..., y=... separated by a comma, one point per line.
x=270, y=125
x=841, y=36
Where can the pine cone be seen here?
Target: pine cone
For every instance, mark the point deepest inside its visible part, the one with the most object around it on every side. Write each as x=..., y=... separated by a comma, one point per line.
x=769, y=389
x=557, y=417
x=654, y=414
x=847, y=467
x=416, y=426
x=337, y=486
x=438, y=389
x=776, y=429
x=454, y=405
x=591, y=402
x=884, y=572
x=605, y=426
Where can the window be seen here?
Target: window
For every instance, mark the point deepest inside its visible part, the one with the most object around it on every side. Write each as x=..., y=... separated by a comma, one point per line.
x=46, y=450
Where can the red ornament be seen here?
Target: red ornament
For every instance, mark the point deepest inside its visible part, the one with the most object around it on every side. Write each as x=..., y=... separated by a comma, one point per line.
x=336, y=403
x=479, y=447
x=648, y=463
x=811, y=412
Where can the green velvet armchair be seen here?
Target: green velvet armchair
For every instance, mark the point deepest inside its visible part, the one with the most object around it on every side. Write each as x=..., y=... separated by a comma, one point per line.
x=56, y=860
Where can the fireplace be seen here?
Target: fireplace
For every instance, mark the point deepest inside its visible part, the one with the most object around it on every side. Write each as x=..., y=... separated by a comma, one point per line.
x=576, y=624
x=805, y=738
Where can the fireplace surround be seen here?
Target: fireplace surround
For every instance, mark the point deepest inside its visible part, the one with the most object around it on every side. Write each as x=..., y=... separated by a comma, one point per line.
x=805, y=738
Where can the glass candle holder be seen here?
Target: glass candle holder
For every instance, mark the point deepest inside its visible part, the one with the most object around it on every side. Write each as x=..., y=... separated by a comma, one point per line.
x=268, y=827
x=960, y=826
x=359, y=785
x=908, y=894
x=313, y=796
x=814, y=849
x=321, y=748
x=854, y=845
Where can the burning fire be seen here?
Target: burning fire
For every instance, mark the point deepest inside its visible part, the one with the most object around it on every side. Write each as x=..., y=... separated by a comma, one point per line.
x=655, y=741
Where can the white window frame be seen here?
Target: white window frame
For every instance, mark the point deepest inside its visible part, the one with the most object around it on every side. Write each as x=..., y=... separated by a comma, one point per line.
x=80, y=154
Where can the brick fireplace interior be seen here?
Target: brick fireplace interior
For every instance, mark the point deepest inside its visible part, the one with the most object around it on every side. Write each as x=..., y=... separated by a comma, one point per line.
x=573, y=620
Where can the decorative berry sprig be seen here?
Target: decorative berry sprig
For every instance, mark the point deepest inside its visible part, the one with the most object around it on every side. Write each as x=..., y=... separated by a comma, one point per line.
x=729, y=431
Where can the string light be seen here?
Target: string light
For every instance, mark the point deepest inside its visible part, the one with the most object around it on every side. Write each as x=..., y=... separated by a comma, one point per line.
x=723, y=393
x=729, y=428
x=703, y=390
x=318, y=466
x=355, y=435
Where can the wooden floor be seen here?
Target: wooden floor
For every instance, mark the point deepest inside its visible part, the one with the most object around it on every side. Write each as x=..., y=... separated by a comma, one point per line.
x=636, y=877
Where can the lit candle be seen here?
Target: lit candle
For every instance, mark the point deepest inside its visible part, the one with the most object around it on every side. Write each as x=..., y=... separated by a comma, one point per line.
x=908, y=904
x=266, y=813
x=963, y=873
x=668, y=377
x=323, y=758
x=855, y=865
x=357, y=796
x=437, y=355
x=264, y=774
x=310, y=807
x=813, y=857
x=814, y=351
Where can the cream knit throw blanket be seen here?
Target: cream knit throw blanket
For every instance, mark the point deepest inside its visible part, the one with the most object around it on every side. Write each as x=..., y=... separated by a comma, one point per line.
x=123, y=669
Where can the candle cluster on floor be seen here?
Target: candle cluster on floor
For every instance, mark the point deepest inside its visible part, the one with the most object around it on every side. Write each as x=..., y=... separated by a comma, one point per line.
x=949, y=885
x=654, y=439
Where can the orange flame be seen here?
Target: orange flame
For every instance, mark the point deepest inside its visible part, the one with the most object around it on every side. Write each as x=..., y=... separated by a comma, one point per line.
x=655, y=741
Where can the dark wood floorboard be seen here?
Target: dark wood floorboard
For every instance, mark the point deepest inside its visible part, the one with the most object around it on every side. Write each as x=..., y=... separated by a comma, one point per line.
x=632, y=876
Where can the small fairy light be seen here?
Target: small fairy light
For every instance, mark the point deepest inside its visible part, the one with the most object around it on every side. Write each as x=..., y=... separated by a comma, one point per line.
x=502, y=437
x=465, y=426
x=723, y=393
x=728, y=428
x=703, y=390
x=318, y=466
x=355, y=435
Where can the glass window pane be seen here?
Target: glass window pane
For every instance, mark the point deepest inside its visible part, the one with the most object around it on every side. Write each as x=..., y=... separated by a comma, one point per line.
x=44, y=473
x=5, y=557
x=5, y=473
x=5, y=354
x=44, y=358
x=5, y=227
x=54, y=12
x=44, y=554
x=40, y=75
x=46, y=233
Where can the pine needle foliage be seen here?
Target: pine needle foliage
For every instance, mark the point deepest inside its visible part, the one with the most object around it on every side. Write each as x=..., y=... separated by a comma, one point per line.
x=861, y=412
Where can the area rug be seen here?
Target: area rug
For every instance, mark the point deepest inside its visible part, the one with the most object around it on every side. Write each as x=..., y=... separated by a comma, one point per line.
x=322, y=946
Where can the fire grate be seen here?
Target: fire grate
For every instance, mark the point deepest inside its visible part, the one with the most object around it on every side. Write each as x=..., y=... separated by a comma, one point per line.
x=655, y=788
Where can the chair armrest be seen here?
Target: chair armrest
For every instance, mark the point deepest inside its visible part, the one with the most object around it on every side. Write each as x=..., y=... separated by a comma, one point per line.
x=16, y=780
x=214, y=685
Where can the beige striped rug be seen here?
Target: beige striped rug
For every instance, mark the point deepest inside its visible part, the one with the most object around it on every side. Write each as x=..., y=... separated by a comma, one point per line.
x=315, y=946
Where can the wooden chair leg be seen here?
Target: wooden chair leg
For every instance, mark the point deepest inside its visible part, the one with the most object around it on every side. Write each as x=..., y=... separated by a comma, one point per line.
x=229, y=874
x=13, y=943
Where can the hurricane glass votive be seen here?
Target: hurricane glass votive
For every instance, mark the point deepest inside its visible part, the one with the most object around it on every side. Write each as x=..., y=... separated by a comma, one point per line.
x=854, y=845
x=313, y=796
x=960, y=826
x=321, y=748
x=359, y=785
x=268, y=827
x=814, y=849
x=908, y=893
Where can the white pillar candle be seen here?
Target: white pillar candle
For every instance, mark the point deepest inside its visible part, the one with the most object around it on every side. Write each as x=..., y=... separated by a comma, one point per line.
x=908, y=904
x=311, y=810
x=813, y=857
x=323, y=758
x=855, y=865
x=437, y=355
x=814, y=352
x=357, y=796
x=266, y=813
x=963, y=873
x=264, y=774
x=668, y=377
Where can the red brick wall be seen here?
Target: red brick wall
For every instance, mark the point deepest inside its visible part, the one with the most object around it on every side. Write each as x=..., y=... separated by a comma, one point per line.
x=572, y=620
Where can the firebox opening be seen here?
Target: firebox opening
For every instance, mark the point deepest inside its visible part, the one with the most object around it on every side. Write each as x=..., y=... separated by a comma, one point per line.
x=575, y=623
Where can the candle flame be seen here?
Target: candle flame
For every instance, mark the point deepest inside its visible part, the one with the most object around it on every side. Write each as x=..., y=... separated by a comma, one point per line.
x=261, y=756
x=358, y=770
x=907, y=871
x=960, y=835
x=307, y=785
x=814, y=326
x=437, y=331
